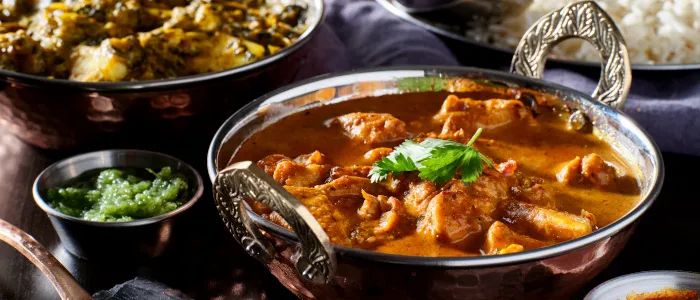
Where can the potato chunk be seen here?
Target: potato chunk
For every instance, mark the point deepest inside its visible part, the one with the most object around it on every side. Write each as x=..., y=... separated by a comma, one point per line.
x=98, y=63
x=372, y=128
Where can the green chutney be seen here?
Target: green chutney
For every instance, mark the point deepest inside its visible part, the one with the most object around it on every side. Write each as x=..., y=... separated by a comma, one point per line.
x=118, y=195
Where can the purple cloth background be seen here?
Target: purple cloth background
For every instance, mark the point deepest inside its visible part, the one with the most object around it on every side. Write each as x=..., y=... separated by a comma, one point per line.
x=360, y=33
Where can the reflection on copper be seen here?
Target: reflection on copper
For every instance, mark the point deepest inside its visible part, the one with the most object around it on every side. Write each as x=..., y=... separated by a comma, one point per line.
x=178, y=100
x=100, y=103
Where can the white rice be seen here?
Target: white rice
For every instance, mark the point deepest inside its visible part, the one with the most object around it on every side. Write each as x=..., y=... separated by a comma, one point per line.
x=656, y=31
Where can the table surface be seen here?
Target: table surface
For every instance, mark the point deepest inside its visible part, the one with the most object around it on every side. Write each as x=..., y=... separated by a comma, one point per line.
x=205, y=262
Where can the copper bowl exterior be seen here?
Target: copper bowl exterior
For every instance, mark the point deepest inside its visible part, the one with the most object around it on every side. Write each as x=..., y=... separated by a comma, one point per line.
x=554, y=272
x=356, y=277
x=58, y=113
x=312, y=268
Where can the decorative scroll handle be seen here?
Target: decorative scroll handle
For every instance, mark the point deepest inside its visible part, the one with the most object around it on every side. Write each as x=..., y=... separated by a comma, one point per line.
x=244, y=180
x=585, y=20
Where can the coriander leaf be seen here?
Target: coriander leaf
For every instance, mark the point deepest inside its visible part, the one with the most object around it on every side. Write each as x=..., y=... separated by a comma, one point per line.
x=440, y=167
x=471, y=166
x=396, y=162
x=435, y=160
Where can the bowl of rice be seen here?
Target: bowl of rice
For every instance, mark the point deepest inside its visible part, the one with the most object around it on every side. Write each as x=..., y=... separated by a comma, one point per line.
x=656, y=32
x=660, y=35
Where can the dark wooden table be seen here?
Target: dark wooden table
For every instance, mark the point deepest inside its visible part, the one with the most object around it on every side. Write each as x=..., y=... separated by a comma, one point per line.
x=205, y=262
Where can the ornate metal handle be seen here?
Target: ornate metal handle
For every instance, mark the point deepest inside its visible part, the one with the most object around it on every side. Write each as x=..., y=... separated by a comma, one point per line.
x=60, y=278
x=244, y=180
x=585, y=20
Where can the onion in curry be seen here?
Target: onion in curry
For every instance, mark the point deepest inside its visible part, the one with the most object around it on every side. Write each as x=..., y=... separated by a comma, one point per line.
x=548, y=183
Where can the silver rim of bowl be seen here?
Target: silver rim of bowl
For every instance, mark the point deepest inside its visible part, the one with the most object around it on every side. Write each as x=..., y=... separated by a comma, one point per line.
x=394, y=73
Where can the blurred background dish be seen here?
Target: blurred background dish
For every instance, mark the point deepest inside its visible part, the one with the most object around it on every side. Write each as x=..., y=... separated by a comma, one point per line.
x=660, y=35
x=60, y=113
x=638, y=284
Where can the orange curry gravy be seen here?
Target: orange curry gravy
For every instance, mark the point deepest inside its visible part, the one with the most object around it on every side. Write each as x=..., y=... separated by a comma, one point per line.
x=549, y=184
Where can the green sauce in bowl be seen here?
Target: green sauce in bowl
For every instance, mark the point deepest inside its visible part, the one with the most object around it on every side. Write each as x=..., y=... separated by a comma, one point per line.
x=118, y=195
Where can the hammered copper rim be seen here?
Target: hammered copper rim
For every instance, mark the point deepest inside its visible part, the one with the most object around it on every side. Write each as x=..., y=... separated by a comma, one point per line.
x=394, y=73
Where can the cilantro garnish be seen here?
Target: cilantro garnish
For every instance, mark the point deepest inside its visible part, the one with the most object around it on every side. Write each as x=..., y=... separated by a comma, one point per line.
x=435, y=160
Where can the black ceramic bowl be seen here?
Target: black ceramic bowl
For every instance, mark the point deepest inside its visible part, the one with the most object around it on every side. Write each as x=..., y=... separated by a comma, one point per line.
x=93, y=240
x=59, y=113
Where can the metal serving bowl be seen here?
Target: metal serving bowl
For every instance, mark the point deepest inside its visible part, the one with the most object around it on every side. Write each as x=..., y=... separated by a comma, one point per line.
x=147, y=237
x=60, y=113
x=306, y=263
x=644, y=282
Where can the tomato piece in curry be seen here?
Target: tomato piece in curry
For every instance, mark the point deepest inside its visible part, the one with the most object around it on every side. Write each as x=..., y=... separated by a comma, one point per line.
x=548, y=184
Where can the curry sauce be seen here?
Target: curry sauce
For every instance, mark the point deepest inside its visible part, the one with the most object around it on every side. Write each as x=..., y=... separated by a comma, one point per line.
x=549, y=183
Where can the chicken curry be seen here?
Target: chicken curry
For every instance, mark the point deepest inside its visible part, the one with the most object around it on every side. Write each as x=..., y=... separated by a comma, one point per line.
x=122, y=40
x=537, y=182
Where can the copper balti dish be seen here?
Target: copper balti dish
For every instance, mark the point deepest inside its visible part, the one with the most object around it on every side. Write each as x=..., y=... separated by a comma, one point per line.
x=309, y=266
x=61, y=113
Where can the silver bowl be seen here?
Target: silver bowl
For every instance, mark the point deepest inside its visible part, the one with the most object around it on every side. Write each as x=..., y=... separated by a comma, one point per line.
x=644, y=282
x=141, y=238
x=308, y=265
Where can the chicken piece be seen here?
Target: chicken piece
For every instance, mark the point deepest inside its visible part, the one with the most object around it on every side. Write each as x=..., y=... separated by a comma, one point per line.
x=532, y=190
x=460, y=213
x=350, y=186
x=289, y=172
x=359, y=171
x=468, y=114
x=500, y=239
x=372, y=128
x=392, y=218
x=548, y=223
x=418, y=196
x=591, y=169
x=302, y=171
x=597, y=171
x=315, y=157
x=376, y=154
x=331, y=219
x=383, y=219
x=449, y=219
x=269, y=163
x=371, y=208
x=570, y=173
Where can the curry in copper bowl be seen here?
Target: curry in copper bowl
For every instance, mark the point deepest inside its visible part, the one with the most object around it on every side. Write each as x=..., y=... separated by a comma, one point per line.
x=408, y=175
x=440, y=182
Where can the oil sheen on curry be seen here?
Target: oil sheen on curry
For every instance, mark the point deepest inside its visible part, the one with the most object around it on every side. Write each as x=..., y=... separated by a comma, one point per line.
x=541, y=182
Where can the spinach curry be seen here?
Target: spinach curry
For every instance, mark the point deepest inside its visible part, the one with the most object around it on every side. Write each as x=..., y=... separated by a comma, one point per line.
x=122, y=40
x=540, y=182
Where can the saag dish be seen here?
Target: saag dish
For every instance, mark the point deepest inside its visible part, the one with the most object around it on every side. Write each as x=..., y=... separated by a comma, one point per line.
x=113, y=40
x=431, y=174
x=116, y=195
